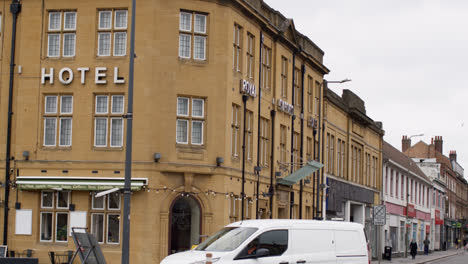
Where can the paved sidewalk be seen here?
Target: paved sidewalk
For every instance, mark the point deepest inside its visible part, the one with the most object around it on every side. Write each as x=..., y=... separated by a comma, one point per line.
x=423, y=258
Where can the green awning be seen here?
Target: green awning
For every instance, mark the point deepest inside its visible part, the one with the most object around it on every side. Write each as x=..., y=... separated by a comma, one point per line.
x=76, y=183
x=306, y=170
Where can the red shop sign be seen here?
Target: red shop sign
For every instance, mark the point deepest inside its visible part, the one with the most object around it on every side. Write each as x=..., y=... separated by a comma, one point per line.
x=438, y=221
x=411, y=211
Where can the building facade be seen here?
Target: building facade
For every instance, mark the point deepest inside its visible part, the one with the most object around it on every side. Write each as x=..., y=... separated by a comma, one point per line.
x=353, y=159
x=406, y=193
x=455, y=186
x=224, y=91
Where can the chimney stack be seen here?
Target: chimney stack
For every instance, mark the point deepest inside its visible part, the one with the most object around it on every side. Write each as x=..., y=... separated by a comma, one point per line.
x=438, y=142
x=453, y=155
x=405, y=143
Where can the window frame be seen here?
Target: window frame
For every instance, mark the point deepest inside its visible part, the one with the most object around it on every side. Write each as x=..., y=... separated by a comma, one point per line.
x=107, y=229
x=192, y=34
x=190, y=119
x=112, y=31
x=62, y=31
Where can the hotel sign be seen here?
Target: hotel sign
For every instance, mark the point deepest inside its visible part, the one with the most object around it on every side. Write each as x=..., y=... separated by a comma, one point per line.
x=312, y=122
x=67, y=75
x=248, y=88
x=285, y=107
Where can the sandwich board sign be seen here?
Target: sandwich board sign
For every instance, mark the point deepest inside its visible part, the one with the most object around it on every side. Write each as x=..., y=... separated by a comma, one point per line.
x=380, y=215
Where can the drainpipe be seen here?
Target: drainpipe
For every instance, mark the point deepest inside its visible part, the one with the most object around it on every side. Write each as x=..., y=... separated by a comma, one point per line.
x=244, y=99
x=15, y=8
x=258, y=168
x=291, y=202
x=271, y=191
x=301, y=185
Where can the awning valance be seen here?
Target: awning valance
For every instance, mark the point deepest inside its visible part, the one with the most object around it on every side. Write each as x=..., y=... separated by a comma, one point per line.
x=76, y=183
x=309, y=168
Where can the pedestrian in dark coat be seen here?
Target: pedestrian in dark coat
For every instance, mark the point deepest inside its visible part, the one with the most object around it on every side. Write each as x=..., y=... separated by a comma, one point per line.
x=413, y=248
x=426, y=246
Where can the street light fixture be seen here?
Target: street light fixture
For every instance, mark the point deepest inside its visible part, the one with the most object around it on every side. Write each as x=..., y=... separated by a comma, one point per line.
x=320, y=177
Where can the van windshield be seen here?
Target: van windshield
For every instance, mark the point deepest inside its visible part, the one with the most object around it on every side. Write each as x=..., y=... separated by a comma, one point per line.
x=227, y=239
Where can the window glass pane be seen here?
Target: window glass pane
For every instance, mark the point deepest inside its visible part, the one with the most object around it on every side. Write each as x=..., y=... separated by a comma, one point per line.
x=120, y=43
x=54, y=20
x=197, y=132
x=104, y=44
x=69, y=44
x=46, y=226
x=62, y=199
x=116, y=132
x=70, y=21
x=101, y=132
x=105, y=18
x=121, y=19
x=97, y=226
x=66, y=106
x=101, y=104
x=50, y=129
x=200, y=23
x=65, y=131
x=182, y=131
x=47, y=199
x=197, y=107
x=98, y=202
x=185, y=21
x=53, y=48
x=113, y=228
x=114, y=201
x=199, y=48
x=51, y=104
x=276, y=241
x=61, y=227
x=117, y=104
x=184, y=46
x=182, y=106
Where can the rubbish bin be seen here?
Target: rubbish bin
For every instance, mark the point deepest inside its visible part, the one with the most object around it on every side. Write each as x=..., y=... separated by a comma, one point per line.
x=388, y=253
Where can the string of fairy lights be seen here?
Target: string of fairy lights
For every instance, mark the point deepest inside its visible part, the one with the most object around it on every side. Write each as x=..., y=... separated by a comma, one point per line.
x=208, y=193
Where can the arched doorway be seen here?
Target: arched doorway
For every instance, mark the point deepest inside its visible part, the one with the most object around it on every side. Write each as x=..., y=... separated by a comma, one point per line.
x=185, y=223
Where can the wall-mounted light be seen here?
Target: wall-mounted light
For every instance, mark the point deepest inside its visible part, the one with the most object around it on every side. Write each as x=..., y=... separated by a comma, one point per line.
x=219, y=161
x=157, y=157
x=26, y=155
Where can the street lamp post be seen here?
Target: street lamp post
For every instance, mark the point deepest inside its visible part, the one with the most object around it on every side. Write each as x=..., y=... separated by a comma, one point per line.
x=321, y=183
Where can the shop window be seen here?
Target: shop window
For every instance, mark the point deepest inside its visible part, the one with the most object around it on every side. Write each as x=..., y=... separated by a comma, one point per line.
x=105, y=218
x=192, y=33
x=58, y=111
x=54, y=216
x=190, y=120
x=108, y=121
x=112, y=33
x=61, y=25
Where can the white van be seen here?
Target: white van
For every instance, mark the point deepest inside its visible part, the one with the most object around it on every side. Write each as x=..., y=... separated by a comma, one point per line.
x=281, y=242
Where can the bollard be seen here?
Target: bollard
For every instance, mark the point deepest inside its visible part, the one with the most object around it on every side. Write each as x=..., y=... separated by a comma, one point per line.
x=209, y=258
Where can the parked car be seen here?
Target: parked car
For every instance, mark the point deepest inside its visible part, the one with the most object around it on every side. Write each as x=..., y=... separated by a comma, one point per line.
x=280, y=241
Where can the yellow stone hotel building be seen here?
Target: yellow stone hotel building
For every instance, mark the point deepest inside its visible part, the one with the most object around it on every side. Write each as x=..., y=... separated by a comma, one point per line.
x=223, y=89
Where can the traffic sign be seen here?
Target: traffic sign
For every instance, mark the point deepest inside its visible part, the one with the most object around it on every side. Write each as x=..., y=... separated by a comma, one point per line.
x=380, y=215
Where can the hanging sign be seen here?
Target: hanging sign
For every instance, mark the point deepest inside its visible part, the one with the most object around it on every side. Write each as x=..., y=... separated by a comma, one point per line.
x=285, y=107
x=248, y=88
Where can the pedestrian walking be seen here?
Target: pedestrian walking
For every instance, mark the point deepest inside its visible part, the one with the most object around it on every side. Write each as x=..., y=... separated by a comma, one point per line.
x=413, y=248
x=426, y=246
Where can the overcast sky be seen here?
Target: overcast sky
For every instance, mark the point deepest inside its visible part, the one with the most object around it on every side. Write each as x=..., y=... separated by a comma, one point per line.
x=408, y=60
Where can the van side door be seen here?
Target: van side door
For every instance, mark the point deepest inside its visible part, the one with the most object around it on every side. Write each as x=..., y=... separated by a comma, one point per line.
x=267, y=248
x=351, y=247
x=312, y=246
